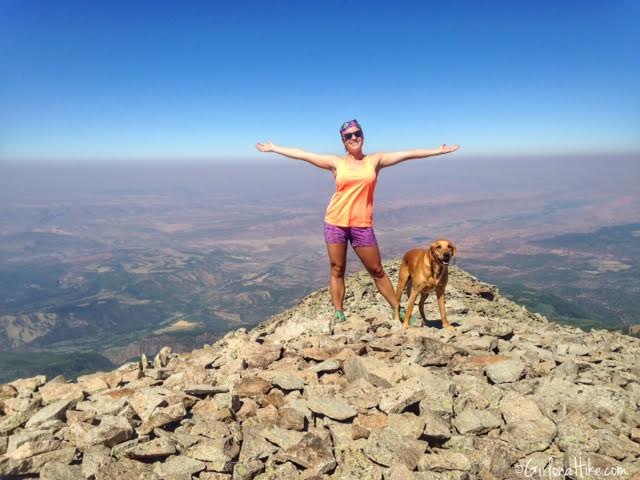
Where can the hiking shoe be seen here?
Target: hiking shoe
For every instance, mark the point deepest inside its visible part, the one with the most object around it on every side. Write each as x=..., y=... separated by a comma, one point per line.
x=413, y=321
x=339, y=317
x=401, y=312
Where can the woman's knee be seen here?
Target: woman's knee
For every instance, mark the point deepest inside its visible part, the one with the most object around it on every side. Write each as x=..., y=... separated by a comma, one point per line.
x=337, y=270
x=376, y=271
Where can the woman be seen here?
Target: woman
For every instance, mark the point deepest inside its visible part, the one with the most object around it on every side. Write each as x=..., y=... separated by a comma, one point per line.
x=349, y=216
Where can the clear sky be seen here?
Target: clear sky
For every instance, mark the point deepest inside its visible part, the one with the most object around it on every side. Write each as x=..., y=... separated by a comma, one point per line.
x=95, y=80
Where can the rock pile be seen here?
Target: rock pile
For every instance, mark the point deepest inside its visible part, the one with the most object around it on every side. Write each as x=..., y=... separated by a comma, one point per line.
x=508, y=395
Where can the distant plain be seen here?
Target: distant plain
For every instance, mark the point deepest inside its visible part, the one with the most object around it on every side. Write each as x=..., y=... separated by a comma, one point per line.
x=99, y=264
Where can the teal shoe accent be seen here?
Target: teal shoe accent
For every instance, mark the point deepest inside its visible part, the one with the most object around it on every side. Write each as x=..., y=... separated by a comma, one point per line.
x=413, y=321
x=339, y=317
x=401, y=312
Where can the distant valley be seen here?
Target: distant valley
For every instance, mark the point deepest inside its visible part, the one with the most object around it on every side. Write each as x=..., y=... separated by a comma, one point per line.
x=95, y=269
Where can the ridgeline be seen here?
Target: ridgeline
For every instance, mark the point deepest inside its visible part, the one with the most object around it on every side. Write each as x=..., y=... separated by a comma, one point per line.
x=509, y=395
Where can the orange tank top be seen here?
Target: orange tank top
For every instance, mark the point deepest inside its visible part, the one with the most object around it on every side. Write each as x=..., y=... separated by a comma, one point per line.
x=352, y=203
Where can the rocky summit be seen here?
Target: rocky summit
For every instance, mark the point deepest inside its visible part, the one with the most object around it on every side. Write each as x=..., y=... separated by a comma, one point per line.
x=508, y=395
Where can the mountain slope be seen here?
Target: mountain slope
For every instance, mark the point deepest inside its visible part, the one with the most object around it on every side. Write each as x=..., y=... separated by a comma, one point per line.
x=505, y=396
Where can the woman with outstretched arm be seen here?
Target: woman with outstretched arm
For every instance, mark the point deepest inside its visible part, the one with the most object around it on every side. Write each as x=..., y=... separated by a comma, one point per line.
x=349, y=215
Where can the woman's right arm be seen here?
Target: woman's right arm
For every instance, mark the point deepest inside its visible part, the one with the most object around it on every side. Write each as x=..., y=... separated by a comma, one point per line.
x=328, y=162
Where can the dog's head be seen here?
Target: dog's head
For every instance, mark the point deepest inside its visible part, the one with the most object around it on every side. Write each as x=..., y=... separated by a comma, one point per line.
x=442, y=251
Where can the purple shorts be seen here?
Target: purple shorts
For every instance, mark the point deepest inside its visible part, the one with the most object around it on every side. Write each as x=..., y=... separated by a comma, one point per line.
x=359, y=236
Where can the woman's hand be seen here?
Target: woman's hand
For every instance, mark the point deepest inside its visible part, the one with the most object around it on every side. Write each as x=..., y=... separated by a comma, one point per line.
x=265, y=147
x=445, y=149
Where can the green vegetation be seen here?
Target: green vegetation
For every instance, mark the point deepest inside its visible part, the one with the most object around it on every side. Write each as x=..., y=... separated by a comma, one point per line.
x=593, y=285
x=554, y=307
x=20, y=365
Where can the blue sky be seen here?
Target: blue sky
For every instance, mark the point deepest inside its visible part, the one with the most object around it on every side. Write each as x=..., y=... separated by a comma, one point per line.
x=89, y=81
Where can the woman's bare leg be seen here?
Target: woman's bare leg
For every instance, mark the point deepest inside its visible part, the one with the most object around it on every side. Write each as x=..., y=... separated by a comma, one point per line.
x=370, y=258
x=338, y=260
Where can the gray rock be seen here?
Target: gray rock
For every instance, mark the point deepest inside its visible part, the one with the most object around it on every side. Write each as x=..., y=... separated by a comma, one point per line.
x=527, y=428
x=120, y=449
x=33, y=448
x=435, y=427
x=251, y=387
x=283, y=438
x=312, y=453
x=28, y=384
x=162, y=417
x=32, y=465
x=274, y=471
x=432, y=392
x=218, y=453
x=214, y=476
x=327, y=366
x=127, y=469
x=578, y=349
x=202, y=390
x=25, y=436
x=575, y=431
x=93, y=460
x=287, y=382
x=407, y=424
x=382, y=447
x=152, y=450
x=332, y=407
x=495, y=456
x=61, y=471
x=291, y=419
x=260, y=356
x=55, y=410
x=300, y=324
x=145, y=401
x=444, y=460
x=247, y=470
x=396, y=399
x=354, y=465
x=178, y=465
x=484, y=343
x=341, y=435
x=476, y=421
x=9, y=423
x=161, y=359
x=59, y=389
x=616, y=446
x=436, y=353
x=505, y=371
x=354, y=369
x=111, y=431
x=254, y=445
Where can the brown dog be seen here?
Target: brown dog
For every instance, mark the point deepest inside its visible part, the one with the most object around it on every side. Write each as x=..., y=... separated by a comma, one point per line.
x=428, y=270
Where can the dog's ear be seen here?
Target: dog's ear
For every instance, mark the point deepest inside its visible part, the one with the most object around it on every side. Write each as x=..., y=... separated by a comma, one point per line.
x=432, y=254
x=453, y=249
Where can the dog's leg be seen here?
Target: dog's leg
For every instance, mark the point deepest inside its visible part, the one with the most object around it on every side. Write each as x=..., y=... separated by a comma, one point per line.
x=443, y=311
x=410, y=304
x=423, y=298
x=403, y=276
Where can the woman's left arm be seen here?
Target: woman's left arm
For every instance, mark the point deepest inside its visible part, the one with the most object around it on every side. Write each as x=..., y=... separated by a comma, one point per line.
x=391, y=158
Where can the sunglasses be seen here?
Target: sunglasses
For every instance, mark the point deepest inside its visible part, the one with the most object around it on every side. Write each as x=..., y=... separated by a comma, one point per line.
x=349, y=136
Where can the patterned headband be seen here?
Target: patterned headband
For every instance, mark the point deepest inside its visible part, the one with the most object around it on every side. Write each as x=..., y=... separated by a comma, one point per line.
x=349, y=124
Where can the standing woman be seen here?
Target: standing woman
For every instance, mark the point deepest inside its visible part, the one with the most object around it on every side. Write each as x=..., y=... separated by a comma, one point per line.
x=349, y=216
